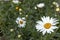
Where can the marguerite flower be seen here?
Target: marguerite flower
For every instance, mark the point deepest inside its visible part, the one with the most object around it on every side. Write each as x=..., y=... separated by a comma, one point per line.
x=46, y=25
x=40, y=5
x=15, y=1
x=21, y=22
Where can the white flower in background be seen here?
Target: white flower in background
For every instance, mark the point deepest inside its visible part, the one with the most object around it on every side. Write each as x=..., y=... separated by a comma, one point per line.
x=21, y=22
x=57, y=4
x=15, y=1
x=35, y=7
x=41, y=5
x=47, y=25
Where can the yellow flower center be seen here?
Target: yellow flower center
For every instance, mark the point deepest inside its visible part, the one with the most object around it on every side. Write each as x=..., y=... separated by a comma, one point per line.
x=21, y=22
x=47, y=25
x=17, y=8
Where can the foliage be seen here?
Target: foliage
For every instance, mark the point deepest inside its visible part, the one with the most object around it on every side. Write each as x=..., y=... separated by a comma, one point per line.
x=8, y=15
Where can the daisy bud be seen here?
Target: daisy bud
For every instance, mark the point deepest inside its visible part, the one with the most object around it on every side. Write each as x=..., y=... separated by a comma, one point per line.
x=19, y=36
x=11, y=30
x=57, y=9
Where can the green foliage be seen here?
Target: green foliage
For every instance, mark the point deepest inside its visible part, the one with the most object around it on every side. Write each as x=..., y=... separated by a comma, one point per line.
x=8, y=15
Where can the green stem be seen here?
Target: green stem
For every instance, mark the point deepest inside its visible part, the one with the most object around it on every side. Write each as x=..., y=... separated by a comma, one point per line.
x=41, y=37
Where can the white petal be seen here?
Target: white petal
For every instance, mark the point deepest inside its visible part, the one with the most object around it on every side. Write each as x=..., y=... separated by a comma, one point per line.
x=17, y=20
x=42, y=29
x=38, y=27
x=22, y=25
x=40, y=22
x=51, y=30
x=48, y=19
x=53, y=21
x=44, y=20
x=23, y=18
x=15, y=1
x=24, y=22
x=48, y=31
x=44, y=32
x=54, y=27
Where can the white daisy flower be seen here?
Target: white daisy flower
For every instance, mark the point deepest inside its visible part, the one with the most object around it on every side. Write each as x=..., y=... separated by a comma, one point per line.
x=15, y=1
x=41, y=5
x=47, y=25
x=21, y=22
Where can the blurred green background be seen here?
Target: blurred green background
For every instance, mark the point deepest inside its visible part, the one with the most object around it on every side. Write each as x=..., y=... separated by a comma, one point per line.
x=8, y=15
